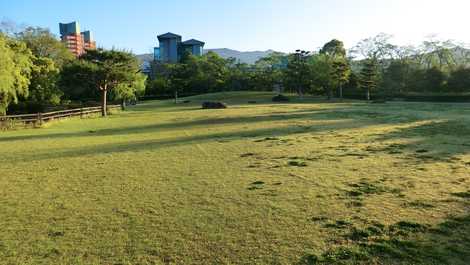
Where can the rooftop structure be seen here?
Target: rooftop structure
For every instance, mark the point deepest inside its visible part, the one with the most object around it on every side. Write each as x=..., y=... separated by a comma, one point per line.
x=171, y=48
x=77, y=42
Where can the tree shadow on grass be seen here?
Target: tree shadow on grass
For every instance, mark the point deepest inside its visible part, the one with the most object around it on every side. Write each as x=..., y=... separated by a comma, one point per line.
x=430, y=141
x=318, y=114
x=448, y=243
x=138, y=146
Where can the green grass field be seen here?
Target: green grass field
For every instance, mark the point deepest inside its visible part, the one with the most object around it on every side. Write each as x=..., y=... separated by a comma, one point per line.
x=309, y=182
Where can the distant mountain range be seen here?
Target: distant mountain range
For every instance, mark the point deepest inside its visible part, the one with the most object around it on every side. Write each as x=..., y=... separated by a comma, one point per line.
x=243, y=57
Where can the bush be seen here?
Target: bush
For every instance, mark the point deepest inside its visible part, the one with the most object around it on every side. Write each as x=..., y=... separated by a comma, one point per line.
x=26, y=107
x=280, y=98
x=213, y=105
x=158, y=86
x=379, y=101
x=459, y=80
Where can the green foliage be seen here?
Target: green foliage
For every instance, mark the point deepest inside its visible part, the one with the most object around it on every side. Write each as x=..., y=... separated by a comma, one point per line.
x=132, y=89
x=322, y=70
x=397, y=77
x=438, y=54
x=106, y=70
x=158, y=86
x=208, y=73
x=338, y=69
x=15, y=71
x=428, y=80
x=368, y=77
x=267, y=72
x=43, y=43
x=241, y=77
x=459, y=80
x=298, y=74
x=110, y=67
x=214, y=72
x=48, y=56
x=75, y=81
x=44, y=78
x=341, y=72
x=334, y=49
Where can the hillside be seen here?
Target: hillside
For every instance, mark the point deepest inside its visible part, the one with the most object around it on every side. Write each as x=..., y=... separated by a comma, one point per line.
x=249, y=57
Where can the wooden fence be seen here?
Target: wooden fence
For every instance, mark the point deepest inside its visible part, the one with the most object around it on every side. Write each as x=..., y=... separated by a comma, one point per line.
x=40, y=118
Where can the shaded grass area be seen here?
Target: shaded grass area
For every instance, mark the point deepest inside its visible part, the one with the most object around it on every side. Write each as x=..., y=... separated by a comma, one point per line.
x=309, y=182
x=401, y=243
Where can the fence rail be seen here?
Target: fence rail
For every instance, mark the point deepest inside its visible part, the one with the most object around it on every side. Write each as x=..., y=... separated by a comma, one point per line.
x=39, y=118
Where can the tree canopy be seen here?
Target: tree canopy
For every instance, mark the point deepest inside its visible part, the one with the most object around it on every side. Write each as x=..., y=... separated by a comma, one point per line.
x=107, y=70
x=43, y=43
x=15, y=71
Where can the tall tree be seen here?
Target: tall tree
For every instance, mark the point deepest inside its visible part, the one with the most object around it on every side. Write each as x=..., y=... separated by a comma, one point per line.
x=341, y=71
x=129, y=91
x=44, y=78
x=105, y=69
x=321, y=72
x=76, y=80
x=368, y=77
x=214, y=71
x=334, y=48
x=15, y=71
x=459, y=80
x=269, y=69
x=240, y=76
x=335, y=54
x=377, y=49
x=439, y=53
x=43, y=43
x=298, y=73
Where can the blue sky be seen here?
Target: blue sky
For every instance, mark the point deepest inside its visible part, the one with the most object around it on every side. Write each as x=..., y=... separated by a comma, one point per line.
x=283, y=25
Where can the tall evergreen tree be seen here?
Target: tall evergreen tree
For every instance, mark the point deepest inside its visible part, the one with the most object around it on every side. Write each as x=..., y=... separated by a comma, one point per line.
x=341, y=72
x=368, y=77
x=339, y=69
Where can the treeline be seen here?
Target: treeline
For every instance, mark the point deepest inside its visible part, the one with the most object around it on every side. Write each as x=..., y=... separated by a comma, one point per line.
x=374, y=66
x=38, y=72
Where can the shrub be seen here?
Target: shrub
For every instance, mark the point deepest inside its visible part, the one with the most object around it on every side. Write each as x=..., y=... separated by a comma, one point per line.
x=26, y=107
x=213, y=105
x=280, y=98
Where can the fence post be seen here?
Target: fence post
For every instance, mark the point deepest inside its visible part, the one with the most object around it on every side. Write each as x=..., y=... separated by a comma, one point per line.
x=81, y=113
x=39, y=118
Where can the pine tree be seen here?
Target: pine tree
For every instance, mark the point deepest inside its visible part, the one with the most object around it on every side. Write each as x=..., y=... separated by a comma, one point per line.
x=368, y=77
x=341, y=72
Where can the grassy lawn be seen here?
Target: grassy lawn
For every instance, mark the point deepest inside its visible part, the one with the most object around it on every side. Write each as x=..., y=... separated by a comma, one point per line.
x=307, y=182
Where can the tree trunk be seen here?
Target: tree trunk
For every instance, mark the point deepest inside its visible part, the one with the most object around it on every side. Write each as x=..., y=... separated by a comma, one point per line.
x=368, y=94
x=299, y=91
x=123, y=104
x=176, y=96
x=340, y=91
x=104, y=112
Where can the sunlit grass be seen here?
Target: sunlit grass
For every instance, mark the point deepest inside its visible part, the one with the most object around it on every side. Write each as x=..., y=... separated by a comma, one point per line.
x=300, y=183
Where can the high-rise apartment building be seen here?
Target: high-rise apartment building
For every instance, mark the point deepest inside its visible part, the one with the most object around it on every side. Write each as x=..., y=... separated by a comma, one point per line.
x=172, y=48
x=77, y=42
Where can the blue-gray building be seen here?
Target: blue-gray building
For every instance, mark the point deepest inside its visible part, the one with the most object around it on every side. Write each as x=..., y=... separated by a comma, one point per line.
x=171, y=48
x=67, y=29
